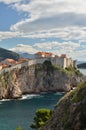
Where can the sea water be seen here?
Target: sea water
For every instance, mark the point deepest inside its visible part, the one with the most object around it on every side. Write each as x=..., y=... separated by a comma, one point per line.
x=14, y=113
x=83, y=71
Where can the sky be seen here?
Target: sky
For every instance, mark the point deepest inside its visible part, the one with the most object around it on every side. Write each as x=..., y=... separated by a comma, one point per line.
x=57, y=26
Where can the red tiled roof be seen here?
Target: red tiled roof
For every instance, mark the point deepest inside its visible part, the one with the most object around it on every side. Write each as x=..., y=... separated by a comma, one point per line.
x=63, y=55
x=11, y=61
x=44, y=53
x=4, y=65
x=22, y=59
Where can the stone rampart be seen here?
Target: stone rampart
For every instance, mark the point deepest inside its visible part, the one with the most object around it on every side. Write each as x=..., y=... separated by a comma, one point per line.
x=60, y=62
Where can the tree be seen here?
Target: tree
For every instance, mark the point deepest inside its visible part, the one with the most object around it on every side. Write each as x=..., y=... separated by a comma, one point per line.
x=18, y=128
x=42, y=115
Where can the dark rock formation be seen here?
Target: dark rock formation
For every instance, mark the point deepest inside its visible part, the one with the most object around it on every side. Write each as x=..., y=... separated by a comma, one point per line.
x=70, y=112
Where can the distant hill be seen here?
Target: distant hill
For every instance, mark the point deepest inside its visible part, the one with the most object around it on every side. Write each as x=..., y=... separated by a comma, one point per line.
x=82, y=65
x=27, y=55
x=8, y=54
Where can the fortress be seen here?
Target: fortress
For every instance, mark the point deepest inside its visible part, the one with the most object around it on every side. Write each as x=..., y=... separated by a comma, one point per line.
x=40, y=57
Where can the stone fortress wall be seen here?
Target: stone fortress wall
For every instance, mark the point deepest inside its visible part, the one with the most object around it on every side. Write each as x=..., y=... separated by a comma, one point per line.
x=60, y=62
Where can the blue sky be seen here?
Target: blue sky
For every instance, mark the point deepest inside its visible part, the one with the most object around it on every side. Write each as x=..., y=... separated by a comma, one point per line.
x=57, y=26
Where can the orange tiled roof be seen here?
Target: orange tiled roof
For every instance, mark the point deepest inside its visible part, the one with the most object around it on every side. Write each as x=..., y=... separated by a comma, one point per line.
x=63, y=55
x=22, y=59
x=4, y=65
x=11, y=61
x=44, y=53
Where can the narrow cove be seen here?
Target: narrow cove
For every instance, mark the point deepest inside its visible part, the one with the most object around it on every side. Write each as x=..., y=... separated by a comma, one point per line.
x=14, y=113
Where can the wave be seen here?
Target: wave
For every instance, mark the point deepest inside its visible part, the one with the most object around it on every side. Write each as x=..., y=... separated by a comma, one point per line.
x=4, y=100
x=29, y=96
x=59, y=93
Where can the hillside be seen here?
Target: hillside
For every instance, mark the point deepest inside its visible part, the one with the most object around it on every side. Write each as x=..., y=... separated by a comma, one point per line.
x=8, y=54
x=70, y=112
x=82, y=65
x=27, y=55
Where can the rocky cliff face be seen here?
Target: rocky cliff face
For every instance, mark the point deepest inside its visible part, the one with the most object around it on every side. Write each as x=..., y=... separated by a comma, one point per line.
x=37, y=78
x=70, y=112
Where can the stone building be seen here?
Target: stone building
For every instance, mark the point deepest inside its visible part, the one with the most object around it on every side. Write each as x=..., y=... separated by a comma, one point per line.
x=60, y=61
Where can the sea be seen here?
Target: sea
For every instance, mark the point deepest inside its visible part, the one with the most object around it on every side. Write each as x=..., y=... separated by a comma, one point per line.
x=83, y=71
x=20, y=112
x=14, y=113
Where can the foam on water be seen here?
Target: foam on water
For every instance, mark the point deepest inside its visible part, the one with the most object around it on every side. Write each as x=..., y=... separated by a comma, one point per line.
x=4, y=100
x=29, y=96
x=59, y=93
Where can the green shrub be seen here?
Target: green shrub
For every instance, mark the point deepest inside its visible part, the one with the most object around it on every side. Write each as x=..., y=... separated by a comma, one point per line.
x=42, y=115
x=19, y=128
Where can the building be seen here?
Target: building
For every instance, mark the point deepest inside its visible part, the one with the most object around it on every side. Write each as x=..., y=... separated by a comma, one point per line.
x=8, y=62
x=43, y=54
x=60, y=61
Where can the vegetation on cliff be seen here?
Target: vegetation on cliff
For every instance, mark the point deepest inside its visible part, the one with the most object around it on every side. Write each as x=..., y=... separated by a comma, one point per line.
x=5, y=79
x=42, y=115
x=70, y=112
x=19, y=128
x=49, y=67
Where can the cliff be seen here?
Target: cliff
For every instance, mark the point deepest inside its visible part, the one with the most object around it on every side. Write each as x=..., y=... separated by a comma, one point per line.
x=70, y=112
x=38, y=78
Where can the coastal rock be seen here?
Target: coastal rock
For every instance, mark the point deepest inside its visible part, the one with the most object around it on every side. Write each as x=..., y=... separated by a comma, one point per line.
x=70, y=112
x=36, y=79
x=14, y=92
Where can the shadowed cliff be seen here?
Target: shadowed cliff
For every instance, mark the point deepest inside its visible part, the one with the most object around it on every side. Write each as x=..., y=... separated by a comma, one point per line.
x=70, y=112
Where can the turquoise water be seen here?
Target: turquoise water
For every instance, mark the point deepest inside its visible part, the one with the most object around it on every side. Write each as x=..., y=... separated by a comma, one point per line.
x=15, y=113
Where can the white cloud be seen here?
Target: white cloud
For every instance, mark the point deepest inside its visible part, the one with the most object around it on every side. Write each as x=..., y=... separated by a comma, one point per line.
x=46, y=8
x=8, y=34
x=67, y=33
x=10, y=1
x=50, y=18
x=64, y=19
x=73, y=50
x=24, y=48
x=48, y=14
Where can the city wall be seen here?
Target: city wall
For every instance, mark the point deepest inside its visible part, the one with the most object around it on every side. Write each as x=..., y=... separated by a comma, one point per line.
x=60, y=62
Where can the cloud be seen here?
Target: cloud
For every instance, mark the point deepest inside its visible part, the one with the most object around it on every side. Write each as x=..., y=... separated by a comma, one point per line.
x=58, y=18
x=65, y=34
x=10, y=1
x=48, y=8
x=63, y=19
x=24, y=48
x=73, y=50
x=44, y=24
x=8, y=34
x=58, y=12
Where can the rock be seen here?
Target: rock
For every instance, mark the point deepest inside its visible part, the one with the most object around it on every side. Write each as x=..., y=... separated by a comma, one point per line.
x=36, y=79
x=14, y=92
x=70, y=112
